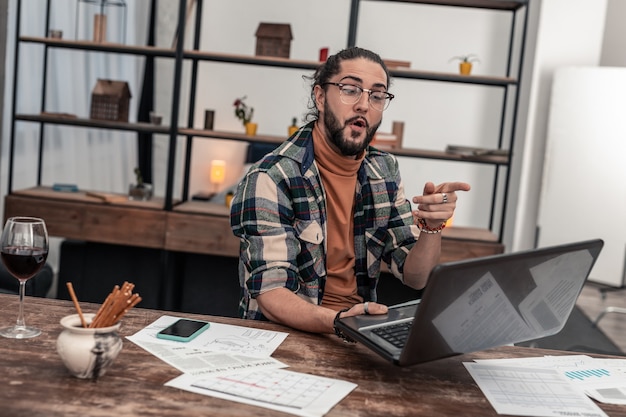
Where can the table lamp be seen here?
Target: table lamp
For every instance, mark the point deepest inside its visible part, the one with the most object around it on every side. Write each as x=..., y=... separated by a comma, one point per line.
x=217, y=173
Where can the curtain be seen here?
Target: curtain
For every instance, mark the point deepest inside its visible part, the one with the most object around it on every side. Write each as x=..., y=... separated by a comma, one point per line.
x=93, y=159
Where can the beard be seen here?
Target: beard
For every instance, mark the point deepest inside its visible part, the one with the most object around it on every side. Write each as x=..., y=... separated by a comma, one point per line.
x=335, y=131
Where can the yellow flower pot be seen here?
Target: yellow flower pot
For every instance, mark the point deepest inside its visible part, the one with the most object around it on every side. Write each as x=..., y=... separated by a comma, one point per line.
x=465, y=68
x=251, y=128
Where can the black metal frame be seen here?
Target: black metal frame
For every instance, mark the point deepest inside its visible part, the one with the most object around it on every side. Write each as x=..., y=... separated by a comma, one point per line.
x=514, y=6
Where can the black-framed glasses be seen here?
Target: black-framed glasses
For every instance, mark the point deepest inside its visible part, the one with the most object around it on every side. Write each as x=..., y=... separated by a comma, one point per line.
x=350, y=94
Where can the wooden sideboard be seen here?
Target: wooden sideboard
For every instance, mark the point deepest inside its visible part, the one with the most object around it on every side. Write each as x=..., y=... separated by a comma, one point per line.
x=193, y=226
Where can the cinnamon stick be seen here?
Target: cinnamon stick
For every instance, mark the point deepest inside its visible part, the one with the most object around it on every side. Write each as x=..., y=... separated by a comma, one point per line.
x=70, y=288
x=116, y=305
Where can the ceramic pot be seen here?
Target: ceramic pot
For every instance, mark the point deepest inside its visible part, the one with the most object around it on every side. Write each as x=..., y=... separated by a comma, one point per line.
x=140, y=192
x=87, y=352
x=251, y=128
x=465, y=68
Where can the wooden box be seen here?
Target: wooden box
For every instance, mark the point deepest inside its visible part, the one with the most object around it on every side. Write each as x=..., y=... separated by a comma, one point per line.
x=273, y=39
x=110, y=100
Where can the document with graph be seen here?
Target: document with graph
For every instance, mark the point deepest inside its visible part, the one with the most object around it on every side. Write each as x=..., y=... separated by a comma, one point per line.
x=278, y=389
x=526, y=391
x=602, y=379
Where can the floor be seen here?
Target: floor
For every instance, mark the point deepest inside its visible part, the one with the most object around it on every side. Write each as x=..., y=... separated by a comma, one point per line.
x=594, y=298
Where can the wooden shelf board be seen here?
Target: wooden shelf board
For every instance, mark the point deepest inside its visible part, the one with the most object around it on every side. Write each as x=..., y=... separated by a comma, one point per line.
x=242, y=137
x=82, y=196
x=265, y=60
x=70, y=120
x=482, y=4
x=448, y=156
x=117, y=48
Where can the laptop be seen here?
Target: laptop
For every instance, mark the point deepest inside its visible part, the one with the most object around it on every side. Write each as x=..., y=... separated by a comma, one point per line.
x=481, y=303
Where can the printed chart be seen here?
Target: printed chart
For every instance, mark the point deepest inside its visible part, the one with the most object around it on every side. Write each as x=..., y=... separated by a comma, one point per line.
x=285, y=388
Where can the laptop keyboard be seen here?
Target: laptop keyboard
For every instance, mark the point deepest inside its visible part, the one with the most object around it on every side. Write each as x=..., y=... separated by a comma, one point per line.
x=396, y=334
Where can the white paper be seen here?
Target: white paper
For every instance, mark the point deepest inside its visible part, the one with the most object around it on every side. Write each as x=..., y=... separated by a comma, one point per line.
x=287, y=391
x=198, y=362
x=604, y=380
x=529, y=391
x=208, y=354
x=246, y=341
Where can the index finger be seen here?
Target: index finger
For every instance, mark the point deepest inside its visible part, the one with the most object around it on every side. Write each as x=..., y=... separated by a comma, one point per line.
x=448, y=187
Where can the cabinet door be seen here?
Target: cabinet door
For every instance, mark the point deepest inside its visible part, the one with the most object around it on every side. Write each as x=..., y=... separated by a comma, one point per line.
x=584, y=179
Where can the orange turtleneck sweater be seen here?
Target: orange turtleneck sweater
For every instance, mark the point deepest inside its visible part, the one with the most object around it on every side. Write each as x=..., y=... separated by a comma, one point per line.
x=339, y=175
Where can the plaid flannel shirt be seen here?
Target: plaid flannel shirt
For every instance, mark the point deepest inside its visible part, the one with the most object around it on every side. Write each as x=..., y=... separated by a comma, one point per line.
x=279, y=213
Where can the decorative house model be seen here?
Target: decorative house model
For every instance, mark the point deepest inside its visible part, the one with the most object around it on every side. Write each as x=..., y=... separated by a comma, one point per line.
x=110, y=100
x=273, y=39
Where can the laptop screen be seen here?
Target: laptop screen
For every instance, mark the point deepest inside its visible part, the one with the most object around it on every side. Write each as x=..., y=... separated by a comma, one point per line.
x=499, y=300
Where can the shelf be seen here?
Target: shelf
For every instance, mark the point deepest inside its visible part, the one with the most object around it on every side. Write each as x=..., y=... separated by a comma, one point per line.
x=242, y=137
x=203, y=227
x=116, y=48
x=69, y=120
x=452, y=77
x=480, y=4
x=446, y=156
x=263, y=61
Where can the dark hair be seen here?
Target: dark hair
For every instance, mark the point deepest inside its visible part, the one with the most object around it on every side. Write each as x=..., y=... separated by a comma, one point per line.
x=332, y=67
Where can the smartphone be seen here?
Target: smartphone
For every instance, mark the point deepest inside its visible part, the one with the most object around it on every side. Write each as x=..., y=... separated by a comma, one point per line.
x=183, y=330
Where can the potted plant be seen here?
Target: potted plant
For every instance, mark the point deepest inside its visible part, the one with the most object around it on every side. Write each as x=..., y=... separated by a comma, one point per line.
x=465, y=64
x=294, y=127
x=244, y=113
x=139, y=191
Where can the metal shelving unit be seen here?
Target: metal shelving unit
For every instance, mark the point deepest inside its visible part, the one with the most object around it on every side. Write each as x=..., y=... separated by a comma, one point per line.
x=507, y=83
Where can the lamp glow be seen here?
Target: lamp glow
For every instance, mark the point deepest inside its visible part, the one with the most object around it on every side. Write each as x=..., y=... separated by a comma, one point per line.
x=217, y=173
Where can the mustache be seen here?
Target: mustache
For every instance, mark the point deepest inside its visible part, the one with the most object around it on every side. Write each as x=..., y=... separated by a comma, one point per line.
x=356, y=119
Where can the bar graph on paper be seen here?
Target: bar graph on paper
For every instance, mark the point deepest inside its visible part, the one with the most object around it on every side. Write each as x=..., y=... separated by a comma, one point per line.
x=586, y=374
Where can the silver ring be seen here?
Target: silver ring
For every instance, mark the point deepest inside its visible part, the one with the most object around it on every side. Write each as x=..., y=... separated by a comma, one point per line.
x=366, y=307
x=445, y=198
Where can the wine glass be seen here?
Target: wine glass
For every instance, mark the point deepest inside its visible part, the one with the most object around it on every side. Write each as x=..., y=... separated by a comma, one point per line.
x=24, y=250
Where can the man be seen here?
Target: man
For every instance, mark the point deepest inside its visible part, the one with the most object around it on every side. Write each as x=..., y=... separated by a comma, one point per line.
x=318, y=215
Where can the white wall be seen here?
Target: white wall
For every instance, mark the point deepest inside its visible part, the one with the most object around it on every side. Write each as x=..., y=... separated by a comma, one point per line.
x=560, y=41
x=583, y=192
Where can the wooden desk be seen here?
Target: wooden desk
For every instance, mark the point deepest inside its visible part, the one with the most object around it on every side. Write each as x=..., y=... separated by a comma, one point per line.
x=35, y=383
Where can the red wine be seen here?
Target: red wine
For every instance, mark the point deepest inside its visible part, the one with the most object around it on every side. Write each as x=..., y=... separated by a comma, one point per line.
x=24, y=262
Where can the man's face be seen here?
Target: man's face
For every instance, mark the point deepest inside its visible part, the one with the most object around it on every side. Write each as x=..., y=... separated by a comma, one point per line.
x=351, y=127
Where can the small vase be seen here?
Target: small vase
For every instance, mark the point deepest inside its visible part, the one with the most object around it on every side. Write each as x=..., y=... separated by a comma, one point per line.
x=87, y=352
x=141, y=192
x=251, y=128
x=465, y=68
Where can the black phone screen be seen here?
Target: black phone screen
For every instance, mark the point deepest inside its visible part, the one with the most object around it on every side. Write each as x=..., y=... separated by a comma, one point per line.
x=183, y=328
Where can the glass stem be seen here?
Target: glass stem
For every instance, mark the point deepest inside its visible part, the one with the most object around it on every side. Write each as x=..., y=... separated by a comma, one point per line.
x=20, y=315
